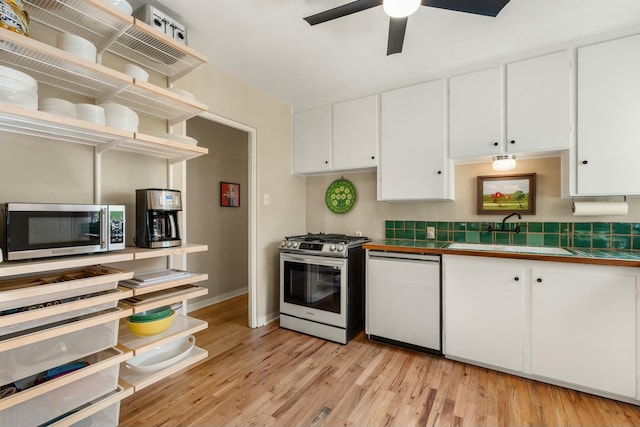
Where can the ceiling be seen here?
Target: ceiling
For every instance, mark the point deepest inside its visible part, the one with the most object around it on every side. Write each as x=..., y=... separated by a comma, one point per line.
x=267, y=43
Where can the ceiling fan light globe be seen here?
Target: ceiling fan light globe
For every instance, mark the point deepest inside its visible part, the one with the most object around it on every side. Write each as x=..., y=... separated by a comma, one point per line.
x=400, y=8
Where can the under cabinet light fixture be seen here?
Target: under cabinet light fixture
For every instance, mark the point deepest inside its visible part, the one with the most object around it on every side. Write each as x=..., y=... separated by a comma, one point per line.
x=504, y=162
x=400, y=8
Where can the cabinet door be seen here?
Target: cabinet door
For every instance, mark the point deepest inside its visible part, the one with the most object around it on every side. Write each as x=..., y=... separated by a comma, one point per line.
x=312, y=140
x=583, y=328
x=608, y=118
x=355, y=133
x=483, y=308
x=538, y=104
x=413, y=163
x=475, y=105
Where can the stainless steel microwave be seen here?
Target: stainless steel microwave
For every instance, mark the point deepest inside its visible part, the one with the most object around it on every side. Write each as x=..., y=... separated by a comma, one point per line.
x=40, y=230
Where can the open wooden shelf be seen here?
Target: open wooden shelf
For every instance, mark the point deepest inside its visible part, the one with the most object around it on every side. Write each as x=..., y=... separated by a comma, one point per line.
x=182, y=326
x=112, y=30
x=162, y=298
x=195, y=278
x=140, y=381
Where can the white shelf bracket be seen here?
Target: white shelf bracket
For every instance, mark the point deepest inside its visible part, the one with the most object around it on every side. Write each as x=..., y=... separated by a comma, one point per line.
x=110, y=145
x=107, y=97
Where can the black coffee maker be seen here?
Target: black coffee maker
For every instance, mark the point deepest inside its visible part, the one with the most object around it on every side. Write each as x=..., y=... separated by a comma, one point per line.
x=157, y=218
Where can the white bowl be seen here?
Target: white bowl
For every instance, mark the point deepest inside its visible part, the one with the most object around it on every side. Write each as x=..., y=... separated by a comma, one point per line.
x=91, y=113
x=58, y=106
x=122, y=5
x=179, y=138
x=22, y=99
x=136, y=72
x=119, y=116
x=163, y=356
x=15, y=79
x=77, y=46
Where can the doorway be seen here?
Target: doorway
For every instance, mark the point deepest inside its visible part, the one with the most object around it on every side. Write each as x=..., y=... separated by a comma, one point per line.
x=229, y=231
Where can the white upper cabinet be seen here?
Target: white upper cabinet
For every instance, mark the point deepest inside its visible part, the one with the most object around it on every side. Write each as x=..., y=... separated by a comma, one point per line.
x=529, y=99
x=312, y=140
x=476, y=114
x=608, y=143
x=413, y=160
x=539, y=104
x=355, y=133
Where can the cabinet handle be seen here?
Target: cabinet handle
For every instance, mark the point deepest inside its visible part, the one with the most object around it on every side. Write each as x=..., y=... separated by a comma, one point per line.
x=539, y=280
x=373, y=157
x=439, y=172
x=516, y=278
x=326, y=162
x=495, y=144
x=584, y=162
x=513, y=141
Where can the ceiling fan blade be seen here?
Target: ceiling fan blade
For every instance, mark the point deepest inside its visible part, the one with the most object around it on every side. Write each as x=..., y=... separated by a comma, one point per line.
x=397, y=28
x=478, y=7
x=340, y=11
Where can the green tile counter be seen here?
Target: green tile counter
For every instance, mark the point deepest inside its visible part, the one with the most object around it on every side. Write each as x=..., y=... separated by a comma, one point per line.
x=613, y=257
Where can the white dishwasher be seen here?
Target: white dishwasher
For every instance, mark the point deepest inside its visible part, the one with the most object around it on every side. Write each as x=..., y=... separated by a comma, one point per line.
x=403, y=304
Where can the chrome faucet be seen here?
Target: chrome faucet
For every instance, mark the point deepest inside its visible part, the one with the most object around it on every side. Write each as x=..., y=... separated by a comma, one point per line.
x=516, y=229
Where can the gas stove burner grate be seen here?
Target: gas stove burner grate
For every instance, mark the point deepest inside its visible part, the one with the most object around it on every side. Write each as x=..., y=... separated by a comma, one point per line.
x=328, y=238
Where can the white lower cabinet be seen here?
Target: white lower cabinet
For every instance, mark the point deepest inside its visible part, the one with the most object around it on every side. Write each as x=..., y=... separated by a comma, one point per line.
x=584, y=327
x=483, y=305
x=574, y=325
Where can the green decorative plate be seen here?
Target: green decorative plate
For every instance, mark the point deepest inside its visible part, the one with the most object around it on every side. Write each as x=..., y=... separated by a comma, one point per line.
x=341, y=196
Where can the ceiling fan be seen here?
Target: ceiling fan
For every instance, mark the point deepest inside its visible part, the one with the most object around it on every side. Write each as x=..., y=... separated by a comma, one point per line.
x=399, y=11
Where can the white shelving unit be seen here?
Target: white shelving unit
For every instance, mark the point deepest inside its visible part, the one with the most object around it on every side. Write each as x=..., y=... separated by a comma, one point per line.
x=102, y=323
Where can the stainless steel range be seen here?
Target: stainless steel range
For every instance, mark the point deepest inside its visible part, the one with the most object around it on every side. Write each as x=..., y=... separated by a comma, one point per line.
x=322, y=285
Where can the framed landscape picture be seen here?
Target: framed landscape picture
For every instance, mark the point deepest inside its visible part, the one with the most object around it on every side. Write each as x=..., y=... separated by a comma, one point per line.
x=506, y=194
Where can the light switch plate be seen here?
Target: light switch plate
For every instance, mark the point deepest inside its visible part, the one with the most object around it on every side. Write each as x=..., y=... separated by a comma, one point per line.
x=431, y=232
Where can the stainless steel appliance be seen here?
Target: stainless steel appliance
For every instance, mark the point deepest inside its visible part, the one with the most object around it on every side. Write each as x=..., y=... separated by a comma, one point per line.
x=403, y=300
x=322, y=285
x=39, y=230
x=157, y=218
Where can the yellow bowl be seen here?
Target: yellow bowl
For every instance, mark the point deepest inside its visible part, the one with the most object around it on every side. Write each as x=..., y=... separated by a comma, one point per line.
x=151, y=328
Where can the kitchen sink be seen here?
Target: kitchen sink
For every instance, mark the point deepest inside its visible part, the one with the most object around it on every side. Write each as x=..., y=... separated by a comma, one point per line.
x=509, y=248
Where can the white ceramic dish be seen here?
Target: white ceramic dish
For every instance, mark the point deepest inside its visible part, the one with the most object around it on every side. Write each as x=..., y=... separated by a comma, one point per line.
x=122, y=5
x=119, y=116
x=18, y=75
x=77, y=46
x=162, y=357
x=179, y=138
x=22, y=99
x=91, y=113
x=58, y=106
x=136, y=72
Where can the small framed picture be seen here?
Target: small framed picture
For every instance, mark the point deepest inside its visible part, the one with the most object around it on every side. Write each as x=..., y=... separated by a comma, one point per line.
x=229, y=194
x=507, y=193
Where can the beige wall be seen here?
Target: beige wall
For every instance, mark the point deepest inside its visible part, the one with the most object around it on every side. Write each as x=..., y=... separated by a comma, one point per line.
x=369, y=215
x=229, y=97
x=223, y=229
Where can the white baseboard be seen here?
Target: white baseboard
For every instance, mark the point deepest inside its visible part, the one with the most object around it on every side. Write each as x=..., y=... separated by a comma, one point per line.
x=215, y=299
x=263, y=320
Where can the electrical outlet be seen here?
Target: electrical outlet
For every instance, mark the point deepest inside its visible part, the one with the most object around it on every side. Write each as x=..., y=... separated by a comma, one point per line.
x=431, y=232
x=358, y=233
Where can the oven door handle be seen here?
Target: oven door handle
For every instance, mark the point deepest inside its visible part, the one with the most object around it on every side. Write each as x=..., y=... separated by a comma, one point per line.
x=326, y=261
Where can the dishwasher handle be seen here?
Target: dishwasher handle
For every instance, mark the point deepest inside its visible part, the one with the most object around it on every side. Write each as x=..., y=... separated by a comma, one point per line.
x=403, y=255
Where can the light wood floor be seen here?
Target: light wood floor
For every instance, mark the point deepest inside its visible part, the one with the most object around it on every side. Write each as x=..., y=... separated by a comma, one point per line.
x=274, y=377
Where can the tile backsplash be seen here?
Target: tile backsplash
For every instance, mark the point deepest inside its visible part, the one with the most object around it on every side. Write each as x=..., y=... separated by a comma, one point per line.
x=585, y=235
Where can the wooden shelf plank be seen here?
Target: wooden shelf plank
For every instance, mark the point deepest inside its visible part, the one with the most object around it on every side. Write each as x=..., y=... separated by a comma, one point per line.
x=167, y=285
x=140, y=381
x=144, y=253
x=15, y=268
x=162, y=298
x=95, y=407
x=182, y=326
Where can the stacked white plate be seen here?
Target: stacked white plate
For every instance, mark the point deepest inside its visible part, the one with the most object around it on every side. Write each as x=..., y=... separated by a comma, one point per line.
x=91, y=113
x=136, y=72
x=179, y=138
x=58, y=106
x=119, y=116
x=123, y=5
x=18, y=88
x=77, y=46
